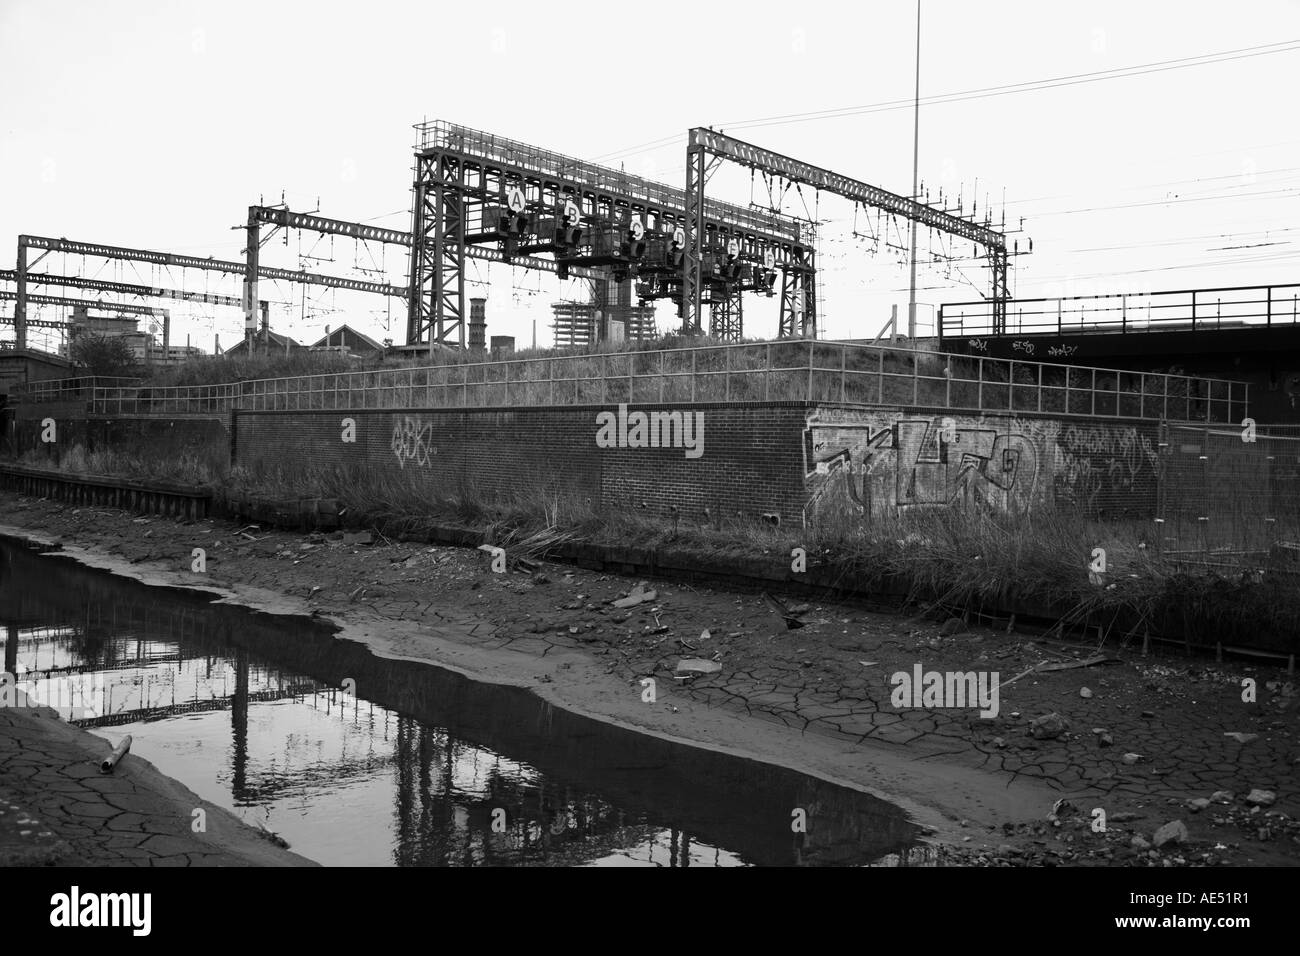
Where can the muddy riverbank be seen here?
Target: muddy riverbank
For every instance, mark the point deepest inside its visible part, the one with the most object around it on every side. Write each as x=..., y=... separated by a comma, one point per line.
x=815, y=697
x=57, y=809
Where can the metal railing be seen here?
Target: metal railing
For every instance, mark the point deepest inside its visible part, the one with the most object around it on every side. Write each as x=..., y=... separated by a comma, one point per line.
x=796, y=370
x=1189, y=310
x=66, y=389
x=169, y=400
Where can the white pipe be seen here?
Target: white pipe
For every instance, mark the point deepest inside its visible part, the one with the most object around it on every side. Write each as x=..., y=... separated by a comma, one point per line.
x=120, y=751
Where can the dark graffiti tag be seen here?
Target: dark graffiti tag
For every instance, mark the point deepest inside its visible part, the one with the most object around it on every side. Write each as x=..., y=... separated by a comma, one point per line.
x=411, y=441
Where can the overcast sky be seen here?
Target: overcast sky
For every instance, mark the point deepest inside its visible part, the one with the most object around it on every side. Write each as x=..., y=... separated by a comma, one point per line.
x=156, y=124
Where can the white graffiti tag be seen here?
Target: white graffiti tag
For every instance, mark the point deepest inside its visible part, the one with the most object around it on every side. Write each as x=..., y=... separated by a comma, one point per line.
x=411, y=441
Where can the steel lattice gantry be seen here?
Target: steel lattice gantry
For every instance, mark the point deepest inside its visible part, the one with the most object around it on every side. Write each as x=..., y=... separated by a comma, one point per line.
x=115, y=288
x=69, y=303
x=798, y=298
x=168, y=259
x=476, y=192
x=284, y=218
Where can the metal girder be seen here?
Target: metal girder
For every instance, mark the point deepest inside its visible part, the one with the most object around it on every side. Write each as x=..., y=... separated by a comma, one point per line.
x=537, y=186
x=756, y=157
x=998, y=266
x=64, y=302
x=120, y=288
x=798, y=290
x=693, y=261
x=587, y=180
x=437, y=303
x=727, y=317
x=334, y=227
x=531, y=262
x=355, y=230
x=798, y=306
x=210, y=265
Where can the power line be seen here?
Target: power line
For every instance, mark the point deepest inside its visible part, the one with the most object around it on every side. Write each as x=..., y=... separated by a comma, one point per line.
x=1141, y=69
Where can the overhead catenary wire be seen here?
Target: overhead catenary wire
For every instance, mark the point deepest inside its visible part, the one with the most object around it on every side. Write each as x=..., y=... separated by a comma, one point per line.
x=1141, y=69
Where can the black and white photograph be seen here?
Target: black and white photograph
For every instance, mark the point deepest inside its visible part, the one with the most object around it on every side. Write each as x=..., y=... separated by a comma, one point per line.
x=583, y=435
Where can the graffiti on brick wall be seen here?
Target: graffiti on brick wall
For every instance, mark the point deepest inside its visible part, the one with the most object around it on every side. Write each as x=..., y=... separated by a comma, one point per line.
x=880, y=463
x=1118, y=461
x=411, y=442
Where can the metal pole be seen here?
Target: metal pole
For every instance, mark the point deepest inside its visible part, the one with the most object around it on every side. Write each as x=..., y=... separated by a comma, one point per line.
x=251, y=299
x=20, y=301
x=916, y=141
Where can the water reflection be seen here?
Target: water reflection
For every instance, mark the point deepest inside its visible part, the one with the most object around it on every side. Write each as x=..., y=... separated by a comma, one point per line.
x=418, y=766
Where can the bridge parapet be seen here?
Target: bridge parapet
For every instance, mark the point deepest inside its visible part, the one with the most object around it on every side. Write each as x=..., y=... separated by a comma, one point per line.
x=1179, y=310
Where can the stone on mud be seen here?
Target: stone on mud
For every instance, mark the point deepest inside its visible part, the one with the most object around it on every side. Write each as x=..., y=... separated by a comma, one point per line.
x=1048, y=727
x=1175, y=831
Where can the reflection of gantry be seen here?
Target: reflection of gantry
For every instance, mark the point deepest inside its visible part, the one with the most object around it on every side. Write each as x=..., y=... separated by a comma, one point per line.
x=474, y=190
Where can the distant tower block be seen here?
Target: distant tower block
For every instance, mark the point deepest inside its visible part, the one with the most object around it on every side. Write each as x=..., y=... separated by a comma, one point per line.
x=581, y=324
x=477, y=324
x=502, y=346
x=575, y=324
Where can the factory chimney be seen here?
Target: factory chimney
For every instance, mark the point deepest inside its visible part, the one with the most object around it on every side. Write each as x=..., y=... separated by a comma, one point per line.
x=477, y=324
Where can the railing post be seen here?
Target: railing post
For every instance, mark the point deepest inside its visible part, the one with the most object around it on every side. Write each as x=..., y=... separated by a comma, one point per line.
x=694, y=366
x=767, y=374
x=1193, y=310
x=811, y=346
x=844, y=364
x=916, y=379
x=661, y=376
x=604, y=377
x=1268, y=305
x=726, y=377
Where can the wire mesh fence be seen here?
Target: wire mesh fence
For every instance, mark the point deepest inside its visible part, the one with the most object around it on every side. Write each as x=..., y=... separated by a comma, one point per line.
x=1231, y=498
x=790, y=370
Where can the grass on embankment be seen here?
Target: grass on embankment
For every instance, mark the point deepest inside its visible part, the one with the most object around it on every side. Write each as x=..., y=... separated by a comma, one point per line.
x=954, y=561
x=181, y=468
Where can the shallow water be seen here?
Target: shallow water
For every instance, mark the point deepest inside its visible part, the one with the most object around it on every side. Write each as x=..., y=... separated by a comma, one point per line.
x=359, y=760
